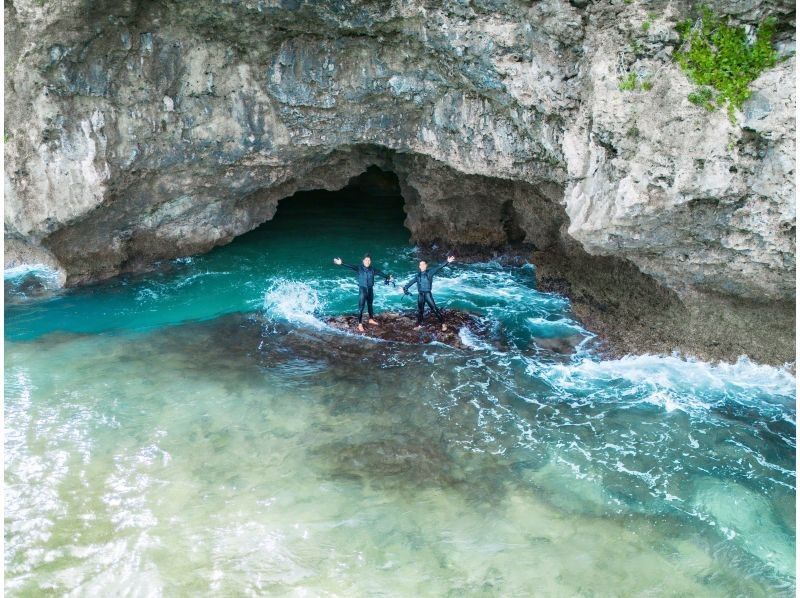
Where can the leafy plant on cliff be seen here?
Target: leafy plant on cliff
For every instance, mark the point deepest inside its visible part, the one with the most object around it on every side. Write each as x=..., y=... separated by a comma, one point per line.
x=703, y=97
x=632, y=83
x=629, y=83
x=720, y=58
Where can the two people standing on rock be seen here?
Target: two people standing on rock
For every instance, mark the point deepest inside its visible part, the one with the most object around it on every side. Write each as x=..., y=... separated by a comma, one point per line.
x=423, y=279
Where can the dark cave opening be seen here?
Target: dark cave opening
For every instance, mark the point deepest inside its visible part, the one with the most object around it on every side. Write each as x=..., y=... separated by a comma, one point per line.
x=364, y=215
x=372, y=198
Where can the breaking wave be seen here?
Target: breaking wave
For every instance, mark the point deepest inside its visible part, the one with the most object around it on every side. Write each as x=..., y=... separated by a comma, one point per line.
x=294, y=301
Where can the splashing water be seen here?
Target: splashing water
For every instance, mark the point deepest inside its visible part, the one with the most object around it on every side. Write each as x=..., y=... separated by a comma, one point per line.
x=179, y=446
x=293, y=301
x=39, y=270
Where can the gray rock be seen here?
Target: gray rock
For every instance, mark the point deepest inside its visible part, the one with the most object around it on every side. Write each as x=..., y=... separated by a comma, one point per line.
x=139, y=131
x=756, y=107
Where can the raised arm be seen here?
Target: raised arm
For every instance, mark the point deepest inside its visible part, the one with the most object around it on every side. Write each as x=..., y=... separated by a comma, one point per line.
x=338, y=262
x=435, y=270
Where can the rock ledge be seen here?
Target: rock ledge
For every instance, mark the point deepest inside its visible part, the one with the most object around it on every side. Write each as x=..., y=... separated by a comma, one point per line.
x=393, y=326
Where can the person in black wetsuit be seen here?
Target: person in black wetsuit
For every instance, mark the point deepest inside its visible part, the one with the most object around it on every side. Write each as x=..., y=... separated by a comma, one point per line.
x=366, y=280
x=424, y=281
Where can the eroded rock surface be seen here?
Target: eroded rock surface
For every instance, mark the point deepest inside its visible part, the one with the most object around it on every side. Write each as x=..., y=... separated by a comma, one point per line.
x=139, y=130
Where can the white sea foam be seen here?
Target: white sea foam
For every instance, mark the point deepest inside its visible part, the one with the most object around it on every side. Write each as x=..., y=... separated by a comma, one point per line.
x=677, y=372
x=41, y=271
x=485, y=284
x=545, y=328
x=673, y=382
x=293, y=301
x=469, y=339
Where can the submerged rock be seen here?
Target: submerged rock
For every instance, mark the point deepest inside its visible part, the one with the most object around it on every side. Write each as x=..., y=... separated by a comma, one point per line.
x=400, y=459
x=393, y=326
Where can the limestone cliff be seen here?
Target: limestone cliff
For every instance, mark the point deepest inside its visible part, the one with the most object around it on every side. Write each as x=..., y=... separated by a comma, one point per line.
x=144, y=130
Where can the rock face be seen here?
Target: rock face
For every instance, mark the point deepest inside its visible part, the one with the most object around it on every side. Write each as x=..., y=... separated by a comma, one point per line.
x=688, y=197
x=146, y=130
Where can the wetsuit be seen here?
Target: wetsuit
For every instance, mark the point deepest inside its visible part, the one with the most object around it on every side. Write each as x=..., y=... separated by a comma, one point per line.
x=424, y=282
x=366, y=280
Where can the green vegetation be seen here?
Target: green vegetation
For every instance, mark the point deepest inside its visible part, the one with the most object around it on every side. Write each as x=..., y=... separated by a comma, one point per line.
x=646, y=25
x=703, y=97
x=720, y=58
x=629, y=83
x=632, y=83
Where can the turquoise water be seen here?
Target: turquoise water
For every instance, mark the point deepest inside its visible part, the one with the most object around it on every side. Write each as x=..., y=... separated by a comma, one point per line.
x=199, y=430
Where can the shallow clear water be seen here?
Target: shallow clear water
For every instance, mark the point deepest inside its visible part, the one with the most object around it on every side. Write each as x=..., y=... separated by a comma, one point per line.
x=199, y=430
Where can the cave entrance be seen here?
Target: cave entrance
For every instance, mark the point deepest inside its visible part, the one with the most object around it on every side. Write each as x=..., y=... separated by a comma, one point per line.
x=312, y=227
x=369, y=200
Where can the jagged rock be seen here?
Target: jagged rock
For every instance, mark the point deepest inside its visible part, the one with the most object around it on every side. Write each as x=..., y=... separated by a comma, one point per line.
x=394, y=326
x=138, y=131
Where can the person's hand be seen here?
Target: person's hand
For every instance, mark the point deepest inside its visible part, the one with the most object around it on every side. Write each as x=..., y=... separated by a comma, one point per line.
x=337, y=261
x=450, y=259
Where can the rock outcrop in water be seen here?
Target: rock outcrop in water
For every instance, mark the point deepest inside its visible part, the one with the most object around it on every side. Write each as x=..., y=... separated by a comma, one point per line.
x=138, y=131
x=400, y=327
